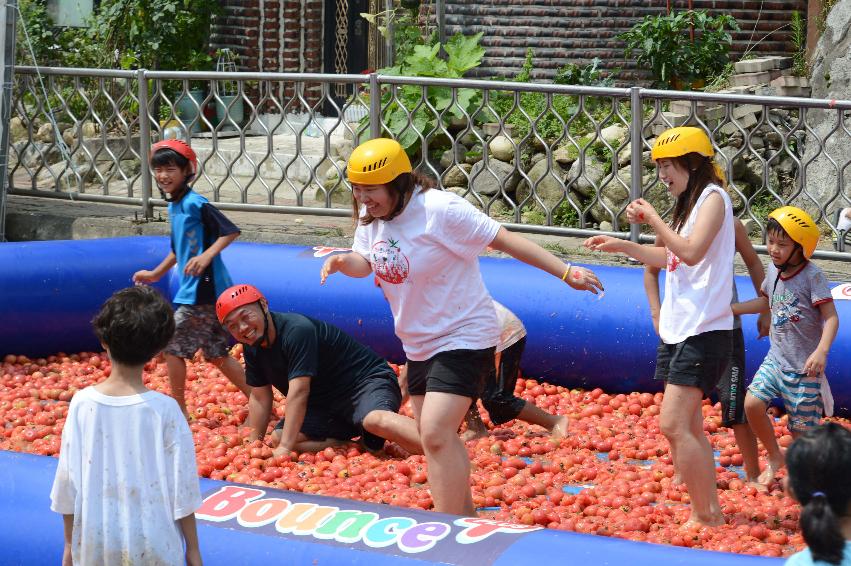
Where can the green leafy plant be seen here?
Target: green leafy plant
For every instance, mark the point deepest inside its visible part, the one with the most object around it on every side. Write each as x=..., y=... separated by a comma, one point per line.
x=415, y=110
x=663, y=44
x=407, y=33
x=588, y=75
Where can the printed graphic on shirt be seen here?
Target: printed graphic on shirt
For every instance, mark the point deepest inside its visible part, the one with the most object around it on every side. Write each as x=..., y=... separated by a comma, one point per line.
x=194, y=243
x=673, y=261
x=388, y=261
x=785, y=308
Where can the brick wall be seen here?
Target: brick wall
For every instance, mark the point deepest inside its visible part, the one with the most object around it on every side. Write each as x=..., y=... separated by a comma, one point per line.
x=563, y=31
x=560, y=31
x=291, y=40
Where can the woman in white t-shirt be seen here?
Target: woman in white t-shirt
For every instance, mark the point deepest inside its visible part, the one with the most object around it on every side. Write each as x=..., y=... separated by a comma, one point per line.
x=423, y=244
x=695, y=323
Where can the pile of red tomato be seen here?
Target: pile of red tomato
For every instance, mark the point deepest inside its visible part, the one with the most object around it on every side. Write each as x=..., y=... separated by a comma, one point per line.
x=612, y=475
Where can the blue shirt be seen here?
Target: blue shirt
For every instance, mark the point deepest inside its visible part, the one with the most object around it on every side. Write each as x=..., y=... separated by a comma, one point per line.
x=195, y=225
x=805, y=558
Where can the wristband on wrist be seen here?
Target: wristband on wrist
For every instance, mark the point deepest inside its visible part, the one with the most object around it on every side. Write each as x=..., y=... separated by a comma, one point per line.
x=566, y=272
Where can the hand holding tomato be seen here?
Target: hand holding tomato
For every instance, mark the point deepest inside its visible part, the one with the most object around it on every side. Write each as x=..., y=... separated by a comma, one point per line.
x=640, y=211
x=583, y=279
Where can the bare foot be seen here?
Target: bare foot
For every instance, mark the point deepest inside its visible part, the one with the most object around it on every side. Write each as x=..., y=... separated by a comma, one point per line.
x=774, y=466
x=696, y=522
x=758, y=486
x=560, y=429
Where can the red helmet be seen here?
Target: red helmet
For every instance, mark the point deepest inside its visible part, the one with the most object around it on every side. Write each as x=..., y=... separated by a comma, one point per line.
x=181, y=148
x=235, y=297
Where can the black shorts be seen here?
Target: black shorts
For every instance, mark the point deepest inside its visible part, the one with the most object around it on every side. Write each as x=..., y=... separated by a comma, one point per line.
x=698, y=361
x=733, y=386
x=344, y=420
x=498, y=395
x=460, y=372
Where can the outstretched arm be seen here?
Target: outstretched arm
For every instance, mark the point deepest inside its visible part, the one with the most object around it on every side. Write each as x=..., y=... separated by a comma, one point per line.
x=529, y=252
x=351, y=264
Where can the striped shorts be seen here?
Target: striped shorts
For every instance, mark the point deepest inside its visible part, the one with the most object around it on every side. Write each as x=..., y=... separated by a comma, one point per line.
x=801, y=394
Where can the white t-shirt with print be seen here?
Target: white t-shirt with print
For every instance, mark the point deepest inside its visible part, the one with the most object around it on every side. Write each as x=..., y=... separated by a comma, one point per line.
x=697, y=298
x=127, y=473
x=427, y=263
x=511, y=330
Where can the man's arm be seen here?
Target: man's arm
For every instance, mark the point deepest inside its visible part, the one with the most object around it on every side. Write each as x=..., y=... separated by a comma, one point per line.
x=68, y=527
x=297, y=393
x=190, y=535
x=259, y=409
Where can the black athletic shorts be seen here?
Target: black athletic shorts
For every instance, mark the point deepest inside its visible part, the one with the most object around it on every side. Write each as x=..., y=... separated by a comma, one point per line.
x=698, y=361
x=460, y=372
x=498, y=396
x=344, y=420
x=733, y=386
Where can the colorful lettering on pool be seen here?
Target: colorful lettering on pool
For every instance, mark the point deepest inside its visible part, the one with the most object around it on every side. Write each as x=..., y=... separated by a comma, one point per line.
x=287, y=514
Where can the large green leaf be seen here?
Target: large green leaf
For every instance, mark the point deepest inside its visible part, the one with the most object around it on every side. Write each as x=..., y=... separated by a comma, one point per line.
x=464, y=53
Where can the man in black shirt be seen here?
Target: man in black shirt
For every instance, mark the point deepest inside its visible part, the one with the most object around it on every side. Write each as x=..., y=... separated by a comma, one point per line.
x=336, y=388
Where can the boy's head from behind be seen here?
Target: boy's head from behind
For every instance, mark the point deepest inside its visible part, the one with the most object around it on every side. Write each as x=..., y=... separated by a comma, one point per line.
x=134, y=325
x=818, y=464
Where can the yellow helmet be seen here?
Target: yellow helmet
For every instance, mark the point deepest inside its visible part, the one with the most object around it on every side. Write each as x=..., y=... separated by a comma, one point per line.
x=677, y=142
x=377, y=162
x=799, y=226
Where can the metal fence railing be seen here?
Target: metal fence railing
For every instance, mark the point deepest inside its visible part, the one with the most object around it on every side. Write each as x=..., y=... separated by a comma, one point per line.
x=538, y=157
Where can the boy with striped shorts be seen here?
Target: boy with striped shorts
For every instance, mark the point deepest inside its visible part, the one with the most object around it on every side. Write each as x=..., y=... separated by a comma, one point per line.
x=803, y=326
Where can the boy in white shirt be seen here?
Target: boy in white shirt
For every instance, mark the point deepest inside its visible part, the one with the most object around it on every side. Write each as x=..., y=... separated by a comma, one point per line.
x=126, y=482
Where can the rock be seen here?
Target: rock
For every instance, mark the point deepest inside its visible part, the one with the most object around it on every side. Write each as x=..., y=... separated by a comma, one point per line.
x=68, y=136
x=606, y=226
x=130, y=167
x=740, y=166
x=453, y=156
x=550, y=188
x=585, y=179
x=831, y=79
x=498, y=176
x=536, y=158
x=502, y=148
x=342, y=149
x=17, y=130
x=334, y=170
x=614, y=196
x=786, y=165
x=90, y=130
x=614, y=134
x=62, y=175
x=473, y=155
x=456, y=176
x=45, y=133
x=757, y=142
x=659, y=197
x=472, y=137
x=564, y=157
x=340, y=193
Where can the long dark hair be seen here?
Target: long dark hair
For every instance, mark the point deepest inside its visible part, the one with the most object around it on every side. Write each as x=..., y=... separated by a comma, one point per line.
x=702, y=172
x=402, y=187
x=818, y=464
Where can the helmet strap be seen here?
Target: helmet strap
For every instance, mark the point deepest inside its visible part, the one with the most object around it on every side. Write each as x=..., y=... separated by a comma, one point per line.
x=176, y=196
x=264, y=339
x=783, y=267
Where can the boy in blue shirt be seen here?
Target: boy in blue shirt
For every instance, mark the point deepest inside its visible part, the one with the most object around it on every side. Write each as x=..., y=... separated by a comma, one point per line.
x=199, y=232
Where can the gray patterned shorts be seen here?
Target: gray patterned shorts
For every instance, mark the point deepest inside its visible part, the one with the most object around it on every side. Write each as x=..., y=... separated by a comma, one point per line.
x=196, y=327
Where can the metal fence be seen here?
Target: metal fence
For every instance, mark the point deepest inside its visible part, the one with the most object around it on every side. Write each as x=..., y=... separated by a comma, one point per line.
x=544, y=158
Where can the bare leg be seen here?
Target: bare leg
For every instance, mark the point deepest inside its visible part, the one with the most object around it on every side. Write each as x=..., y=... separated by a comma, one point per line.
x=395, y=428
x=746, y=440
x=475, y=426
x=177, y=379
x=234, y=372
x=681, y=422
x=439, y=415
x=764, y=431
x=556, y=424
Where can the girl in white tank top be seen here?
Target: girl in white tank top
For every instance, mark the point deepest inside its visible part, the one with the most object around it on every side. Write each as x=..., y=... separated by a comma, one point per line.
x=695, y=323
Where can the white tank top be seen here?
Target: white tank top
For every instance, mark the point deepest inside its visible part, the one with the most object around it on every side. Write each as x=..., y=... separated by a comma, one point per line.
x=697, y=298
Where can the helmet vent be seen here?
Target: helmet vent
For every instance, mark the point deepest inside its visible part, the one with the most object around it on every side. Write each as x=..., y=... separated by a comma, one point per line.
x=669, y=139
x=375, y=166
x=799, y=221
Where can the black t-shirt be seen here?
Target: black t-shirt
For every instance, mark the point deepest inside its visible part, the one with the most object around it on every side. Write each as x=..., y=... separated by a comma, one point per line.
x=306, y=347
